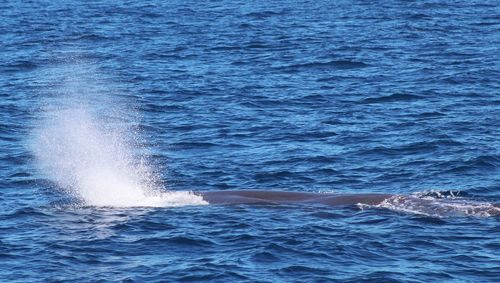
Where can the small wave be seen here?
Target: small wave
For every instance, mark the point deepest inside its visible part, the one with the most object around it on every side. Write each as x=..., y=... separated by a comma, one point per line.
x=192, y=145
x=20, y=66
x=396, y=97
x=245, y=26
x=263, y=14
x=427, y=115
x=93, y=37
x=440, y=204
x=477, y=164
x=485, y=161
x=320, y=66
x=226, y=48
x=418, y=16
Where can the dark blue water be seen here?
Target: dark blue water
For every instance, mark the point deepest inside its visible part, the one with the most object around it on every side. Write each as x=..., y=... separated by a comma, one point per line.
x=398, y=97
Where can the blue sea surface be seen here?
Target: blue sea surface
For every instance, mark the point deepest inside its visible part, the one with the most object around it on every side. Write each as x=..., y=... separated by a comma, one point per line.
x=98, y=98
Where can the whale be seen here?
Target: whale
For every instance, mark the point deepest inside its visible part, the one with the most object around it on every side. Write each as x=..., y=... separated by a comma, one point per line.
x=415, y=204
x=284, y=197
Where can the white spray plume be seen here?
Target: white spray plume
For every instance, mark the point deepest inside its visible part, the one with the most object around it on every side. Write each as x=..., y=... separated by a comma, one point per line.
x=92, y=157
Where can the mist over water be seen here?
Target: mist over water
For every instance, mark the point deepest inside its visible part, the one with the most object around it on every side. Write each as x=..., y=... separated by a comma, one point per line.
x=84, y=144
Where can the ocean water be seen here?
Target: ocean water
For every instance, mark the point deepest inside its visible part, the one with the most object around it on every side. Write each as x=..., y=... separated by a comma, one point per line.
x=112, y=112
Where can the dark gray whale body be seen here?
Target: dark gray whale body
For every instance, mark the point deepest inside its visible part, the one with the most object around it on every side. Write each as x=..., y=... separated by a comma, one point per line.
x=282, y=197
x=435, y=207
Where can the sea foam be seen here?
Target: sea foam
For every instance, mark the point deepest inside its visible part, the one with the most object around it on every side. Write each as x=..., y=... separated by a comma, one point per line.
x=440, y=204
